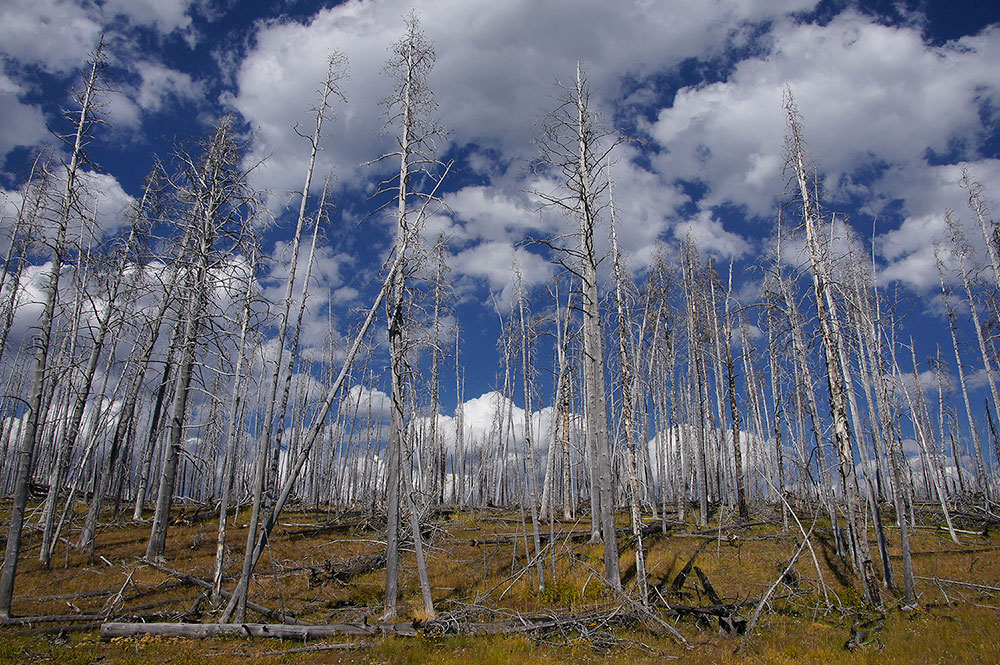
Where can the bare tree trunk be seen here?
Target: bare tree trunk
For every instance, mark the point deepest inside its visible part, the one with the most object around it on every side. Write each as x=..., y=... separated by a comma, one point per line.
x=981, y=477
x=232, y=436
x=156, y=419
x=214, y=186
x=962, y=250
x=30, y=434
x=312, y=436
x=263, y=452
x=125, y=422
x=829, y=332
x=529, y=451
x=919, y=424
x=731, y=379
x=418, y=545
x=696, y=379
x=629, y=383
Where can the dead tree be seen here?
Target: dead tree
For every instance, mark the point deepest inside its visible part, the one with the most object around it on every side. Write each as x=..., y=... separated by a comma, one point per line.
x=141, y=359
x=734, y=412
x=527, y=333
x=962, y=250
x=232, y=426
x=83, y=122
x=574, y=148
x=832, y=340
x=628, y=362
x=212, y=192
x=946, y=298
x=698, y=392
x=264, y=456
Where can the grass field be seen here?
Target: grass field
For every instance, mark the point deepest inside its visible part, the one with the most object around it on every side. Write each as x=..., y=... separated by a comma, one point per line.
x=478, y=573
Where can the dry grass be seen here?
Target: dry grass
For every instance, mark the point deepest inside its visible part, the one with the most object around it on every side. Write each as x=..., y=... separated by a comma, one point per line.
x=953, y=624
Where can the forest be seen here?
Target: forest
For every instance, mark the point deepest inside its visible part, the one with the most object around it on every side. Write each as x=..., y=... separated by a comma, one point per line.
x=674, y=466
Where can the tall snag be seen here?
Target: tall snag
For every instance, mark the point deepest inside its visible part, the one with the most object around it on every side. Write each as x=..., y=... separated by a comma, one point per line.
x=575, y=146
x=83, y=124
x=214, y=202
x=274, y=408
x=409, y=109
x=826, y=309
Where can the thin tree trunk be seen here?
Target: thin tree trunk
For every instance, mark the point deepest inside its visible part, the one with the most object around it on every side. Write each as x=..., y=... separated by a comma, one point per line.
x=34, y=406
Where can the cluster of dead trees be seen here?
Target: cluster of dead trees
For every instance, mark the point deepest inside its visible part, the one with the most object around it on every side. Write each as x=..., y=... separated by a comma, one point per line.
x=153, y=368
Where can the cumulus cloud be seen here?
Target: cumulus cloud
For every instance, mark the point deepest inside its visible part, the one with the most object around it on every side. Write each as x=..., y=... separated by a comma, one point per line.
x=878, y=103
x=710, y=236
x=496, y=67
x=163, y=15
x=161, y=83
x=23, y=124
x=107, y=201
x=495, y=262
x=869, y=93
x=56, y=35
x=930, y=192
x=100, y=211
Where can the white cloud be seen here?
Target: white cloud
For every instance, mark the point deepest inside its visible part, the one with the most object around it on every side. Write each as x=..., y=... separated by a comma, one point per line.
x=163, y=15
x=710, y=236
x=54, y=34
x=326, y=277
x=107, y=201
x=160, y=83
x=496, y=66
x=100, y=210
x=929, y=192
x=495, y=262
x=59, y=36
x=22, y=125
x=370, y=400
x=876, y=101
x=488, y=213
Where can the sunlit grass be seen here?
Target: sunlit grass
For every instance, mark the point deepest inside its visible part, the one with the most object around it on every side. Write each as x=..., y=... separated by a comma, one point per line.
x=953, y=624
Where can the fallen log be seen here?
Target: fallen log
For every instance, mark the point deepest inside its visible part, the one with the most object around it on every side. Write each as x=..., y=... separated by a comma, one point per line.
x=578, y=535
x=938, y=580
x=317, y=647
x=682, y=576
x=968, y=550
x=342, y=571
x=303, y=530
x=59, y=629
x=50, y=618
x=67, y=623
x=205, y=584
x=112, y=630
x=70, y=596
x=707, y=586
x=733, y=527
x=718, y=610
x=571, y=535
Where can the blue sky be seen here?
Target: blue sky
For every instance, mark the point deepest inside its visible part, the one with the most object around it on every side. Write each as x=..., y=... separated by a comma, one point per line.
x=895, y=96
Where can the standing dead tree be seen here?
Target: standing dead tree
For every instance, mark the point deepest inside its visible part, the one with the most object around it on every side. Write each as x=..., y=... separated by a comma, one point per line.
x=83, y=123
x=215, y=209
x=409, y=108
x=574, y=149
x=630, y=379
x=830, y=334
x=142, y=358
x=274, y=408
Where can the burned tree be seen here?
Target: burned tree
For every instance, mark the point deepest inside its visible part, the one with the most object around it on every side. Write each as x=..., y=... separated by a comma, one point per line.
x=574, y=150
x=214, y=206
x=83, y=123
x=832, y=342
